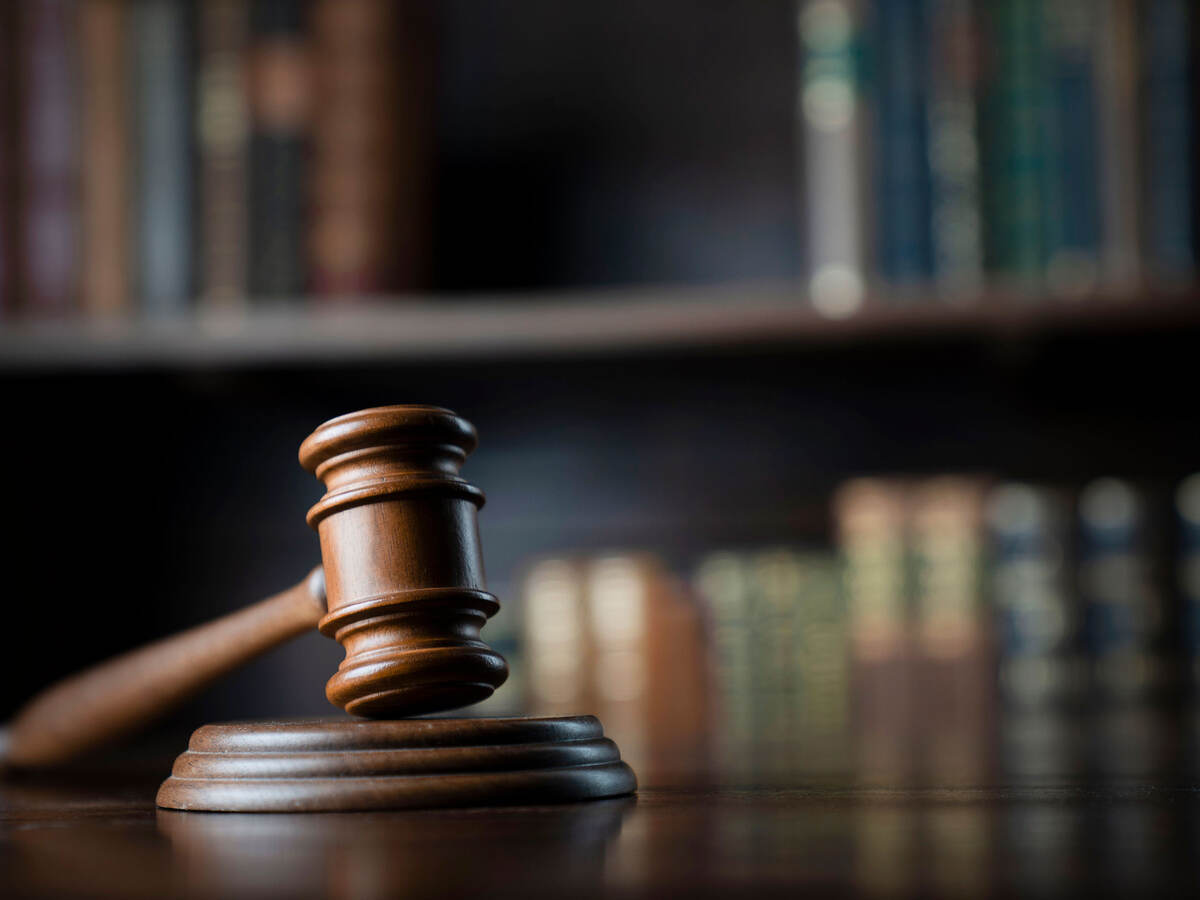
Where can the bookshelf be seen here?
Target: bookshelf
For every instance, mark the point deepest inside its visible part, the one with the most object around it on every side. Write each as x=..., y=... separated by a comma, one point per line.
x=644, y=321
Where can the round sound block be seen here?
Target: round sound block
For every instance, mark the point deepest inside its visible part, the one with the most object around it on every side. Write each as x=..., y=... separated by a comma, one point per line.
x=347, y=765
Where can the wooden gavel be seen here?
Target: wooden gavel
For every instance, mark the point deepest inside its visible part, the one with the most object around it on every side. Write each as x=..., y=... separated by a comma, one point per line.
x=402, y=589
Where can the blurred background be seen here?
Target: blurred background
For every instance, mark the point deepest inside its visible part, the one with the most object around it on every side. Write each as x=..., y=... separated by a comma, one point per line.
x=830, y=360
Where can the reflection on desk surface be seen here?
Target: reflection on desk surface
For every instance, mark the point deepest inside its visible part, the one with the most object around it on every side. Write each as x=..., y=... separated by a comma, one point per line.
x=98, y=835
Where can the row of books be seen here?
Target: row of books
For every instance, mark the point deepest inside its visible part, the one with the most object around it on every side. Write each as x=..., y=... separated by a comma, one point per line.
x=1040, y=145
x=953, y=620
x=156, y=151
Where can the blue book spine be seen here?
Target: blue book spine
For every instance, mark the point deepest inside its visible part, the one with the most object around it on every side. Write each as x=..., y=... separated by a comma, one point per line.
x=1169, y=138
x=1125, y=612
x=903, y=192
x=1187, y=505
x=163, y=135
x=1073, y=212
x=1037, y=615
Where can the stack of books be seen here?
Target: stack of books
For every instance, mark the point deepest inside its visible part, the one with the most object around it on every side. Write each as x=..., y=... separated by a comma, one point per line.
x=158, y=154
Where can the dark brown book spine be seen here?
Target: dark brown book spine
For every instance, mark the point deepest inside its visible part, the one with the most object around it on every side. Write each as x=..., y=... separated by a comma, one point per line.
x=48, y=158
x=104, y=284
x=222, y=126
x=369, y=173
x=280, y=103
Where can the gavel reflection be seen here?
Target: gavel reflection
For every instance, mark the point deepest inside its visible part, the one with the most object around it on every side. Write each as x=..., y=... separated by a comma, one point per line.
x=402, y=589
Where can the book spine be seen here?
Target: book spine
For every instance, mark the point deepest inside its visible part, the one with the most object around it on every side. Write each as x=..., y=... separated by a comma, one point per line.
x=1072, y=188
x=222, y=126
x=617, y=597
x=774, y=599
x=1125, y=610
x=1168, y=143
x=9, y=159
x=822, y=661
x=831, y=120
x=955, y=668
x=1187, y=507
x=722, y=586
x=280, y=103
x=1037, y=614
x=1120, y=182
x=105, y=125
x=1015, y=143
x=162, y=44
x=956, y=212
x=554, y=637
x=902, y=177
x=367, y=149
x=49, y=159
x=870, y=516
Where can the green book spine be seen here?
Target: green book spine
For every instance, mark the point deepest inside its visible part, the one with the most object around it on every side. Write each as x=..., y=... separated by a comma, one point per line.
x=1015, y=141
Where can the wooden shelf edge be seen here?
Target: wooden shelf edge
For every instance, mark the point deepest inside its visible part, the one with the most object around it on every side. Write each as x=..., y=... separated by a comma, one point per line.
x=553, y=325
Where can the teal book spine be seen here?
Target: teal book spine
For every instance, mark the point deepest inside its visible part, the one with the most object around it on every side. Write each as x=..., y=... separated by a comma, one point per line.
x=1015, y=142
x=162, y=89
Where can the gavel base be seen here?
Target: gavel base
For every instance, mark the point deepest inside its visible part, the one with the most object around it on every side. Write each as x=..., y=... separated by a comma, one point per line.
x=343, y=765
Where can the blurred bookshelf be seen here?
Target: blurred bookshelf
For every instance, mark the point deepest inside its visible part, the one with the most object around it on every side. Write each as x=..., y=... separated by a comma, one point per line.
x=553, y=325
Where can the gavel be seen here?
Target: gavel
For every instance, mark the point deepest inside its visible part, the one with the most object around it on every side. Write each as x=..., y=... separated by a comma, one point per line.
x=401, y=589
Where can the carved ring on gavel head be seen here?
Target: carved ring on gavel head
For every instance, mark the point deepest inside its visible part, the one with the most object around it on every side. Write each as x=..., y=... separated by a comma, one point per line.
x=403, y=569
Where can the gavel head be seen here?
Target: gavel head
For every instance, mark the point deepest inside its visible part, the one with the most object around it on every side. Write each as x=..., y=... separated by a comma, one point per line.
x=403, y=570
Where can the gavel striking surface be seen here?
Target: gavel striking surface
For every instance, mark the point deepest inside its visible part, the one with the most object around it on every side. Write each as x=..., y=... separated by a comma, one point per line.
x=338, y=766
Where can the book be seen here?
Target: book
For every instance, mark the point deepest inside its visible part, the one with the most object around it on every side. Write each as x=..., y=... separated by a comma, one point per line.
x=1039, y=625
x=105, y=114
x=1126, y=610
x=554, y=637
x=368, y=167
x=280, y=98
x=722, y=586
x=1015, y=142
x=822, y=662
x=1119, y=145
x=904, y=239
x=952, y=69
x=870, y=516
x=646, y=662
x=1187, y=508
x=1037, y=612
x=10, y=149
x=162, y=48
x=1168, y=139
x=955, y=674
x=1073, y=220
x=778, y=660
x=832, y=124
x=222, y=131
x=48, y=158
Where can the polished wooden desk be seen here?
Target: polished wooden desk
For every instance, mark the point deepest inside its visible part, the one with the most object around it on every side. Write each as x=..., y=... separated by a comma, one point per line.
x=100, y=836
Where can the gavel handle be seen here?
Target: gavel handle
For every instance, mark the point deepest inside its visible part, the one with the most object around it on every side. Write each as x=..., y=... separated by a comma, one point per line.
x=115, y=697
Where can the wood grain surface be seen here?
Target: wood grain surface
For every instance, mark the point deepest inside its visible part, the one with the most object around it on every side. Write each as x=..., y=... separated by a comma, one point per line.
x=98, y=835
